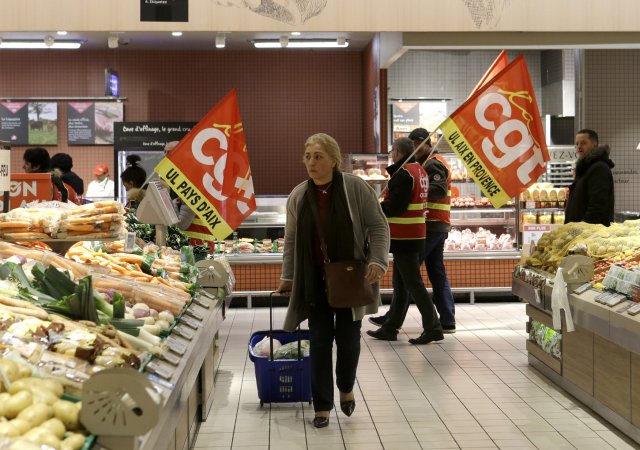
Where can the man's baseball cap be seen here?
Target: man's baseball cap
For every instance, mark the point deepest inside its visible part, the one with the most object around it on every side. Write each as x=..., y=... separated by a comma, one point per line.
x=419, y=134
x=101, y=169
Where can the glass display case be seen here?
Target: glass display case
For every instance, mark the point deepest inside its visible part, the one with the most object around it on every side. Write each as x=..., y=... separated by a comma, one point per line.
x=542, y=204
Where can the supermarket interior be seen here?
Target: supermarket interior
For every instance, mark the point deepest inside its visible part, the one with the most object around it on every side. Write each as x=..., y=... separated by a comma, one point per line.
x=98, y=276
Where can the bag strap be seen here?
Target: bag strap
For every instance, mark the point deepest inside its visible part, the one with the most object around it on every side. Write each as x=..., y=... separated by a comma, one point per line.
x=316, y=216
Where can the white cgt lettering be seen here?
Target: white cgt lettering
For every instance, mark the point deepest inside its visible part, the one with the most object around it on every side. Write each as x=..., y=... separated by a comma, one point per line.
x=218, y=167
x=500, y=153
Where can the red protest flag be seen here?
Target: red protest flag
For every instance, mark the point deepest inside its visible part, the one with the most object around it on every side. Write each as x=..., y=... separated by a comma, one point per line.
x=498, y=64
x=498, y=135
x=209, y=169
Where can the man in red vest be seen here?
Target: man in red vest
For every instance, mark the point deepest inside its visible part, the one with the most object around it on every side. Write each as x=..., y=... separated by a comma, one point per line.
x=438, y=227
x=404, y=205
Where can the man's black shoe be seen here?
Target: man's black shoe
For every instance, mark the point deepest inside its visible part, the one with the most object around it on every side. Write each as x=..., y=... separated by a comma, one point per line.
x=426, y=337
x=384, y=334
x=378, y=320
x=449, y=328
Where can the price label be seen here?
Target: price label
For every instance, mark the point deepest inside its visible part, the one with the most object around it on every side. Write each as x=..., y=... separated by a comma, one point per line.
x=582, y=288
x=530, y=204
x=159, y=381
x=177, y=347
x=171, y=358
x=130, y=242
x=190, y=322
x=195, y=314
x=162, y=370
x=184, y=332
x=199, y=301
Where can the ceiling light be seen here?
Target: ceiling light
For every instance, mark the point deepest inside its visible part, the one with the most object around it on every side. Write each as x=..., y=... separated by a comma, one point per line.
x=295, y=33
x=49, y=40
x=300, y=43
x=176, y=33
x=112, y=41
x=341, y=41
x=284, y=41
x=221, y=41
x=35, y=45
x=61, y=33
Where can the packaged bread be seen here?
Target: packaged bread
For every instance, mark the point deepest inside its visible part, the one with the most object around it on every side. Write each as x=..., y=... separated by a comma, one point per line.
x=562, y=194
x=558, y=217
x=535, y=195
x=529, y=218
x=544, y=195
x=544, y=217
x=553, y=195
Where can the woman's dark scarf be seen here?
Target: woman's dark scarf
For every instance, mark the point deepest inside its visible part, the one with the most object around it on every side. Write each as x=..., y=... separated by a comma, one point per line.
x=338, y=235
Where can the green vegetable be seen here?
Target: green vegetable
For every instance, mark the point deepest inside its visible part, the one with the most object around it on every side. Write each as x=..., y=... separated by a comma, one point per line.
x=129, y=326
x=118, y=305
x=13, y=271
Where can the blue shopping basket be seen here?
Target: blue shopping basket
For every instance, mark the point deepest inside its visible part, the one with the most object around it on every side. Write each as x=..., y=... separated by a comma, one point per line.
x=281, y=380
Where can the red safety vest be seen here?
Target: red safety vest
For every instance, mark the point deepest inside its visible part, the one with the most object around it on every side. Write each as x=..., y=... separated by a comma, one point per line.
x=410, y=224
x=440, y=210
x=198, y=234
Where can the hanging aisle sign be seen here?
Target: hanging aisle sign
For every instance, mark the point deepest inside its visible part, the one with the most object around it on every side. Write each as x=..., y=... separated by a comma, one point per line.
x=498, y=135
x=164, y=10
x=209, y=170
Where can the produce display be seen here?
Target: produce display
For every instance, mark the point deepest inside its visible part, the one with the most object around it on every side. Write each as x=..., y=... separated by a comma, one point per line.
x=596, y=241
x=548, y=339
x=55, y=220
x=480, y=240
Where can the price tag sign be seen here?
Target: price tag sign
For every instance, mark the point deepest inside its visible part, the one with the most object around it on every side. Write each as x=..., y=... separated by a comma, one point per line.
x=171, y=358
x=195, y=314
x=201, y=302
x=5, y=166
x=177, y=347
x=160, y=369
x=130, y=242
x=582, y=288
x=184, y=332
x=190, y=322
x=530, y=204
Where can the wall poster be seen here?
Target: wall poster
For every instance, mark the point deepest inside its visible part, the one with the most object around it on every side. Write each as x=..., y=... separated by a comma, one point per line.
x=29, y=123
x=91, y=123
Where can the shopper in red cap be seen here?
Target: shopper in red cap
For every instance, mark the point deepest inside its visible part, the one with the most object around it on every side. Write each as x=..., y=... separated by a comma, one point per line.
x=102, y=187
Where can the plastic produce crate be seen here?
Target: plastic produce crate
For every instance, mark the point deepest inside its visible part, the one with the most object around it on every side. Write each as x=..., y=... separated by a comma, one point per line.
x=281, y=380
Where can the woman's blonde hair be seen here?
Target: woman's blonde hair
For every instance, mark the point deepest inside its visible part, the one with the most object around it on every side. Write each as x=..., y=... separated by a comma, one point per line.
x=329, y=145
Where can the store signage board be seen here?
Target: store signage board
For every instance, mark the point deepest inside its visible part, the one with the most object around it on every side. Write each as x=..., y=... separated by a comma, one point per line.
x=5, y=166
x=33, y=123
x=164, y=10
x=132, y=136
x=92, y=123
x=29, y=187
x=532, y=233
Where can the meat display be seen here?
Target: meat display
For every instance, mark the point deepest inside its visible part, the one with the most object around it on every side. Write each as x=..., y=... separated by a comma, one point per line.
x=480, y=240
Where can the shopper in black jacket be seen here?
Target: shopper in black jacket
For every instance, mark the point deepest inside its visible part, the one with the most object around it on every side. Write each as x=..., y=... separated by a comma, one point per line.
x=591, y=195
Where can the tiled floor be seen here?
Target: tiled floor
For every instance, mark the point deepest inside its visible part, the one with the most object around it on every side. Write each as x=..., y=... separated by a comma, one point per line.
x=473, y=390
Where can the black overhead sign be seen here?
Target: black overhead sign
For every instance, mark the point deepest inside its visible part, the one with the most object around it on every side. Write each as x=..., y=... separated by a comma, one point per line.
x=164, y=10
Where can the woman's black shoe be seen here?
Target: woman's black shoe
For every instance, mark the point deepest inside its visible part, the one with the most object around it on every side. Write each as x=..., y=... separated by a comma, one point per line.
x=321, y=421
x=348, y=407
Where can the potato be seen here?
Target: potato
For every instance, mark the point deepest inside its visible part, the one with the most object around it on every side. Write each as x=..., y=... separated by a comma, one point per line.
x=3, y=405
x=55, y=426
x=36, y=413
x=51, y=385
x=16, y=403
x=22, y=444
x=23, y=384
x=74, y=441
x=67, y=413
x=42, y=436
x=24, y=371
x=21, y=425
x=42, y=395
x=8, y=430
x=10, y=369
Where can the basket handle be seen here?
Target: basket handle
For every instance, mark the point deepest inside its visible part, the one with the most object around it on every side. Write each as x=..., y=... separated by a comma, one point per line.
x=271, y=329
